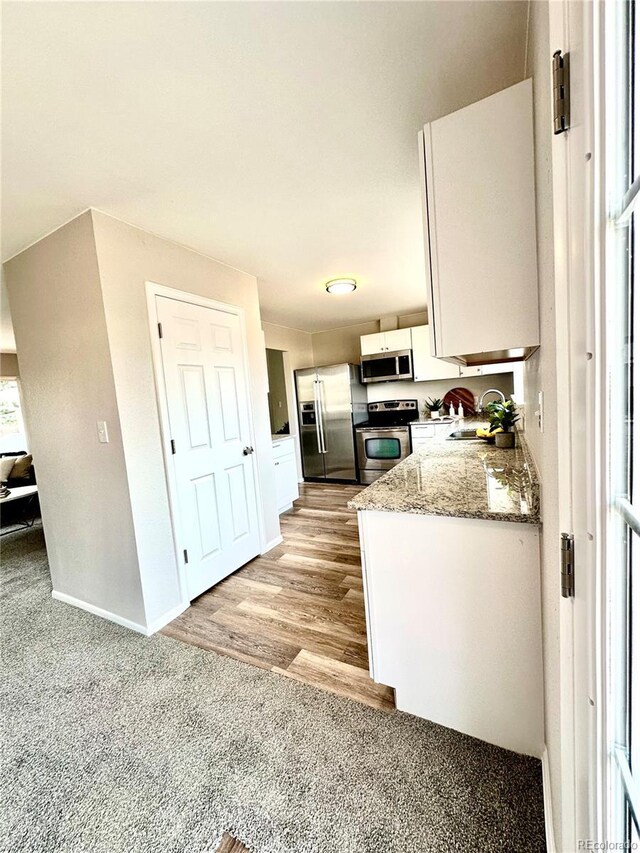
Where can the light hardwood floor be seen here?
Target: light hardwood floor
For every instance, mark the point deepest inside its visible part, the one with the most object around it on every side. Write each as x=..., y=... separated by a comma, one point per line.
x=230, y=844
x=299, y=610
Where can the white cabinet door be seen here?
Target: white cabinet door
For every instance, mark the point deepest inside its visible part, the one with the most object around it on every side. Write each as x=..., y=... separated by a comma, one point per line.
x=489, y=369
x=208, y=406
x=425, y=366
x=479, y=207
x=286, y=481
x=397, y=339
x=371, y=344
x=471, y=371
x=457, y=633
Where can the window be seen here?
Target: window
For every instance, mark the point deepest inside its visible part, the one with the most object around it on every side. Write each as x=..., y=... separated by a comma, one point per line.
x=622, y=319
x=12, y=434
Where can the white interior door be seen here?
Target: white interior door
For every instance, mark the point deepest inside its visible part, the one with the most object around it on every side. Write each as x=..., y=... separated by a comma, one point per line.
x=208, y=409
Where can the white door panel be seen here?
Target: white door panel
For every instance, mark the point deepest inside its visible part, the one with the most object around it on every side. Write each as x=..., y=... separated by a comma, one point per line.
x=208, y=407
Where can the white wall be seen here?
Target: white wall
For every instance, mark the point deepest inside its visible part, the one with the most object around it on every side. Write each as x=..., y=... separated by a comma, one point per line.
x=128, y=257
x=438, y=388
x=341, y=345
x=79, y=308
x=9, y=365
x=540, y=375
x=68, y=385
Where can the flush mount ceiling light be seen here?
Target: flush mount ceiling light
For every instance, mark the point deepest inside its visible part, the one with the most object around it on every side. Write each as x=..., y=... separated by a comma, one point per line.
x=341, y=285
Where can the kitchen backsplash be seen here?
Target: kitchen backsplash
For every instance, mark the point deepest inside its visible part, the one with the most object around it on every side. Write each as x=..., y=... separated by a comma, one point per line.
x=439, y=387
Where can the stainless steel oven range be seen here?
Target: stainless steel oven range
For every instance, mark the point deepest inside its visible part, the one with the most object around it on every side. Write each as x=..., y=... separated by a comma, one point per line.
x=383, y=440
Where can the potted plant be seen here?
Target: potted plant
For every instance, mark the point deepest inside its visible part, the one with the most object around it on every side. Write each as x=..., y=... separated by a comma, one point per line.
x=434, y=406
x=503, y=418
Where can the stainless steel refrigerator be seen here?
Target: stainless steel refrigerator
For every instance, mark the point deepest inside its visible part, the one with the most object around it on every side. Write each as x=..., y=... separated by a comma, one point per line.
x=331, y=401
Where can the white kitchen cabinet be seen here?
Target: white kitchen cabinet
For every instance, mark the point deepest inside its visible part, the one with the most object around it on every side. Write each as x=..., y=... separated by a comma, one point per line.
x=480, y=233
x=488, y=369
x=371, y=344
x=423, y=433
x=397, y=339
x=425, y=365
x=453, y=622
x=284, y=460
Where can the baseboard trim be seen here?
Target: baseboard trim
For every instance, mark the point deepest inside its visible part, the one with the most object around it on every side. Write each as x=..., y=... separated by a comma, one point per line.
x=167, y=617
x=153, y=628
x=271, y=545
x=548, y=810
x=98, y=611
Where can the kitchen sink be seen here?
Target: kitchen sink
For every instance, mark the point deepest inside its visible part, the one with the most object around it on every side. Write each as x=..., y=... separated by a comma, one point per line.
x=465, y=435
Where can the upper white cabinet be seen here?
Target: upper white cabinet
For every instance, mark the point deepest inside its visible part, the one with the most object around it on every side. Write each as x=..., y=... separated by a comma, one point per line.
x=488, y=369
x=480, y=233
x=425, y=365
x=398, y=339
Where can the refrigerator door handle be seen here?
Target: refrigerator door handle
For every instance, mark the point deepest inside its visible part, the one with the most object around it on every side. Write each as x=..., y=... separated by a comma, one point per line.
x=320, y=417
x=316, y=400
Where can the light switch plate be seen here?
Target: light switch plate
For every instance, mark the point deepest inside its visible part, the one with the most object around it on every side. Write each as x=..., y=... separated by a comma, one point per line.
x=103, y=434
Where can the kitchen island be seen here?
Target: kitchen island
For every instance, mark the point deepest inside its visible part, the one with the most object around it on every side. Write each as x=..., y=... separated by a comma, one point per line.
x=451, y=568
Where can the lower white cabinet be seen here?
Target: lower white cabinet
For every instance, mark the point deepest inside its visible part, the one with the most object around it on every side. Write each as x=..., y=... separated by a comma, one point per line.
x=284, y=460
x=423, y=433
x=453, y=622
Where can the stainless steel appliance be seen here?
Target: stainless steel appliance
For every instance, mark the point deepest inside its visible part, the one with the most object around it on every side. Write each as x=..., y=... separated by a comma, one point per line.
x=384, y=440
x=387, y=366
x=331, y=401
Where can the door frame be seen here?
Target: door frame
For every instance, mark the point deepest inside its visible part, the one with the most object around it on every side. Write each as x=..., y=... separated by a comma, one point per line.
x=578, y=258
x=153, y=289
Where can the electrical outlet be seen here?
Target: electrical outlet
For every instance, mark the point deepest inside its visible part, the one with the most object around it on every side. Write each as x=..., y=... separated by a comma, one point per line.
x=103, y=434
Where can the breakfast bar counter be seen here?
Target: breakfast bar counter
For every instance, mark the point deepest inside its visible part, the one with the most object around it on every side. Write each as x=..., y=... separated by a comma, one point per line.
x=463, y=479
x=451, y=568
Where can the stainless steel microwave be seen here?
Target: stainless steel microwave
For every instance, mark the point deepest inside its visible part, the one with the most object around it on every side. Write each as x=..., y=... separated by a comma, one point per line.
x=387, y=366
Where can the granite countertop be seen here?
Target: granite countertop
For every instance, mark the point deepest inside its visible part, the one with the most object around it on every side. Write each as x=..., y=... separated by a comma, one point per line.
x=464, y=479
x=281, y=437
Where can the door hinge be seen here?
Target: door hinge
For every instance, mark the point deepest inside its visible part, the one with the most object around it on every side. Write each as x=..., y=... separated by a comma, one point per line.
x=159, y=330
x=173, y=446
x=186, y=556
x=567, y=565
x=561, y=116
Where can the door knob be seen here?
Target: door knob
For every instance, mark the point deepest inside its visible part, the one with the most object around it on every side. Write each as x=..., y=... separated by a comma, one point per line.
x=247, y=451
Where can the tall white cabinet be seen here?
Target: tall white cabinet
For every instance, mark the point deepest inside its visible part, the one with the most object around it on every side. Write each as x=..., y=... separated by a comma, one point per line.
x=425, y=365
x=480, y=230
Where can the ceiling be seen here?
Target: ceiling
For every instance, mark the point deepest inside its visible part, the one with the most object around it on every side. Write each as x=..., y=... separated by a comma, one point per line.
x=277, y=137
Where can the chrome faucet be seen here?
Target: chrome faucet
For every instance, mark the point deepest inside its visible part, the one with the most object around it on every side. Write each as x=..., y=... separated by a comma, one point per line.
x=490, y=391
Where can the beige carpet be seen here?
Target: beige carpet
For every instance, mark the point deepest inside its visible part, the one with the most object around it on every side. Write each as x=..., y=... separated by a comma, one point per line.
x=117, y=743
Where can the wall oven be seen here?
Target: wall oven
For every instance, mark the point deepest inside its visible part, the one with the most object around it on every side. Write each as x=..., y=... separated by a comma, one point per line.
x=387, y=366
